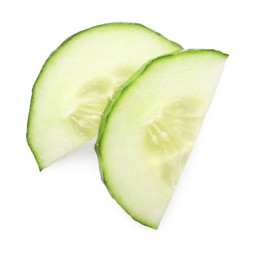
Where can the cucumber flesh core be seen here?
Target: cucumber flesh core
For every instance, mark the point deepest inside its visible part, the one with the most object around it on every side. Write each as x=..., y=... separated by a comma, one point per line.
x=149, y=128
x=77, y=80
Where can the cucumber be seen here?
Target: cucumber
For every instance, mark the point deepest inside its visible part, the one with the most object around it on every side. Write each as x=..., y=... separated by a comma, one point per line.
x=149, y=128
x=77, y=80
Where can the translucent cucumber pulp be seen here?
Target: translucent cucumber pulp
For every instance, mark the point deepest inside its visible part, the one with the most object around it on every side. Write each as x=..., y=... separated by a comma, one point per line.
x=77, y=81
x=150, y=126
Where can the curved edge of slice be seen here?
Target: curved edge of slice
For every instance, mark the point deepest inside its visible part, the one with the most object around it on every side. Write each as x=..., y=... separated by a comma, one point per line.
x=112, y=104
x=41, y=165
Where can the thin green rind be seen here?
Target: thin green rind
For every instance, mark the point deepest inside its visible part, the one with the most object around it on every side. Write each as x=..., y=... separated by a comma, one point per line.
x=55, y=52
x=116, y=99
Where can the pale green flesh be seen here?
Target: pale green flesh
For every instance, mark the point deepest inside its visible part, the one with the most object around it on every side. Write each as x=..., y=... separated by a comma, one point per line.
x=150, y=127
x=77, y=80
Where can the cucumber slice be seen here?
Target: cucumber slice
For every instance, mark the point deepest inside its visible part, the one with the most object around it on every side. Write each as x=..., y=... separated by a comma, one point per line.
x=76, y=81
x=150, y=126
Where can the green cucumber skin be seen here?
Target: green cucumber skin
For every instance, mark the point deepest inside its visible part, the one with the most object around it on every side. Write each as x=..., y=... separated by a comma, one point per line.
x=104, y=119
x=117, y=97
x=48, y=60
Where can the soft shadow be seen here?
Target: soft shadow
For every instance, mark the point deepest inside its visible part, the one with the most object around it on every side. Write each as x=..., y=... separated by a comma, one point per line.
x=84, y=156
x=85, y=151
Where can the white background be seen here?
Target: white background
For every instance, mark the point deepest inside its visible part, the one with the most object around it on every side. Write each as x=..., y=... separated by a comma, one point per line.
x=65, y=212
